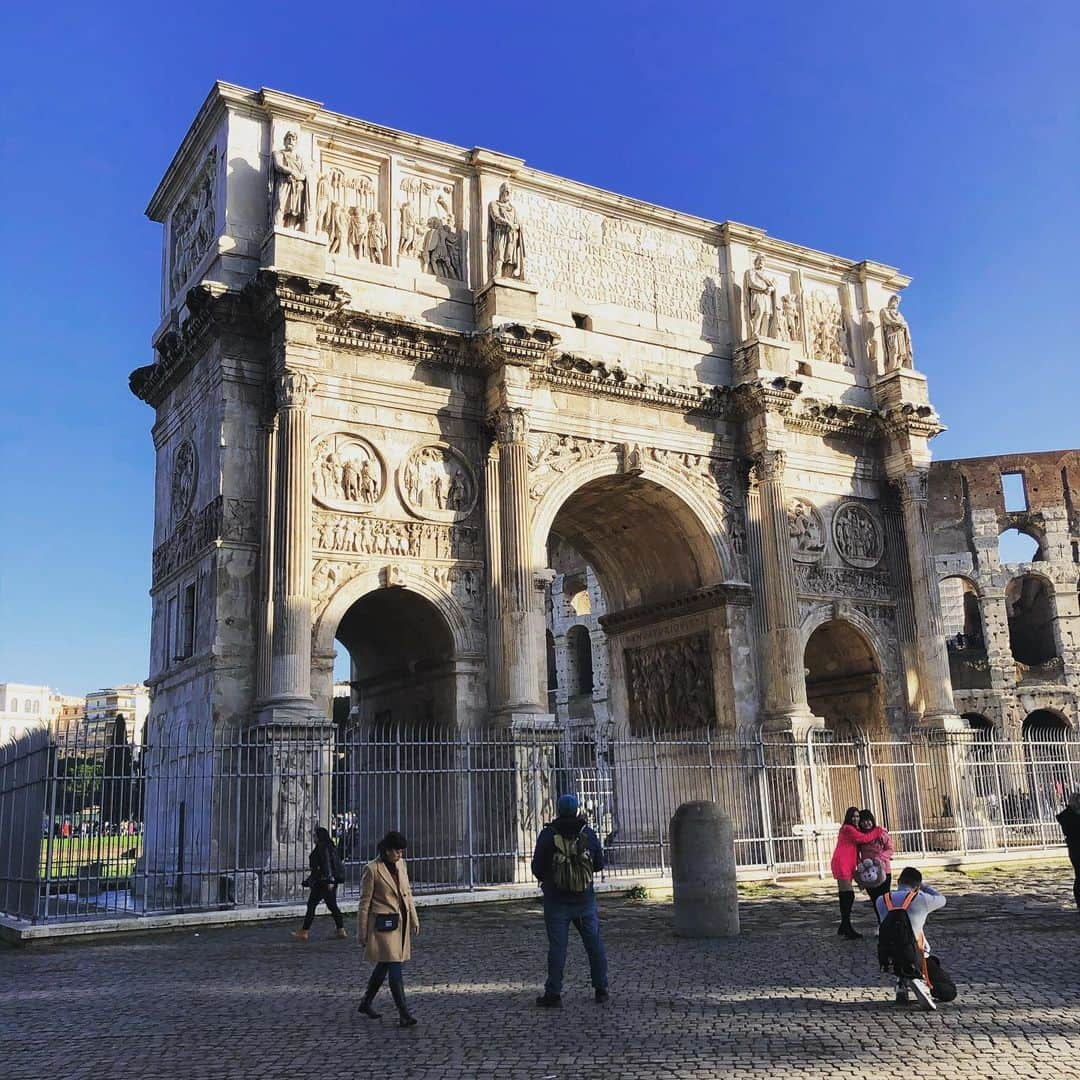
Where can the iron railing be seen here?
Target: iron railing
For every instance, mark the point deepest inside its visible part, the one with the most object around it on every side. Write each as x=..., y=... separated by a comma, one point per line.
x=91, y=826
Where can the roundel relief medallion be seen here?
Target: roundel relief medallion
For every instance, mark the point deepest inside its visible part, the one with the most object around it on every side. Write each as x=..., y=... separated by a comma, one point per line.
x=347, y=474
x=807, y=530
x=436, y=483
x=184, y=473
x=857, y=536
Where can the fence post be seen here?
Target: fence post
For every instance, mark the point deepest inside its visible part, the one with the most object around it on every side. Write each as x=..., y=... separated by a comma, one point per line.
x=815, y=798
x=762, y=775
x=660, y=823
x=51, y=780
x=469, y=807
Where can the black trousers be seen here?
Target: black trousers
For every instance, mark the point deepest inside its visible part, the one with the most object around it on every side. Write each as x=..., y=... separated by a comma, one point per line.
x=879, y=890
x=1074, y=858
x=320, y=894
x=397, y=984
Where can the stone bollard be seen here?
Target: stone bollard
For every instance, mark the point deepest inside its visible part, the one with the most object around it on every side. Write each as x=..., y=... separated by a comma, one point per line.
x=703, y=872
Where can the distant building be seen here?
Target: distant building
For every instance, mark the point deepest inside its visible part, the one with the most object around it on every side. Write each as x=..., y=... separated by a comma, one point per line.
x=22, y=707
x=132, y=701
x=67, y=714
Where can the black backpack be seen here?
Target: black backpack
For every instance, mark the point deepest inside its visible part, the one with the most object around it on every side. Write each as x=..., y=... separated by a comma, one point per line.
x=897, y=949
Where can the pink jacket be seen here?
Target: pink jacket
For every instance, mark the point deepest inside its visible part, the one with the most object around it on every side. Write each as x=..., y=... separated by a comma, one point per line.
x=880, y=847
x=848, y=842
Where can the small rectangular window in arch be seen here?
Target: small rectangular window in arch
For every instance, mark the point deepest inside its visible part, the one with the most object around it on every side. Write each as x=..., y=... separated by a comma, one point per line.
x=1012, y=486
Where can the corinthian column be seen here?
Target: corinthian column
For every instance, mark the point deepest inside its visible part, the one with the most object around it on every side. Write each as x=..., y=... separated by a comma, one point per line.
x=784, y=692
x=290, y=663
x=935, y=686
x=517, y=602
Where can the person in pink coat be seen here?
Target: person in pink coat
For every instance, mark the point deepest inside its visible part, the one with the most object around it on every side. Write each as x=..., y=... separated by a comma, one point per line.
x=844, y=860
x=876, y=844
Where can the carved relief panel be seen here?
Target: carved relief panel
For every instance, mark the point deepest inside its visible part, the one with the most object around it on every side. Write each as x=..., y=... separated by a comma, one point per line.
x=807, y=530
x=829, y=324
x=436, y=482
x=669, y=685
x=349, y=200
x=193, y=225
x=857, y=535
x=428, y=213
x=347, y=473
x=185, y=473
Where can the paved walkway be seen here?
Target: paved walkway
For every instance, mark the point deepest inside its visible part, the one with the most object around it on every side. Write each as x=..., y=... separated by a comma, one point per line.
x=786, y=998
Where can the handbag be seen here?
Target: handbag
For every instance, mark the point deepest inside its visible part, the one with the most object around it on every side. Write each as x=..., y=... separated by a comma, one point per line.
x=387, y=923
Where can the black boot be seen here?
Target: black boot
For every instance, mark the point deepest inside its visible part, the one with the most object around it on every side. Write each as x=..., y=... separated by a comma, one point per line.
x=373, y=987
x=405, y=1018
x=846, y=930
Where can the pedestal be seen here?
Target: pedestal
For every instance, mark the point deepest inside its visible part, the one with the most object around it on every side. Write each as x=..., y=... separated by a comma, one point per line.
x=294, y=252
x=763, y=358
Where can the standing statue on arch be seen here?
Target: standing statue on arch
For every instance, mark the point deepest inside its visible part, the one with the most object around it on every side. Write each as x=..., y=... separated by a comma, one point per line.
x=506, y=238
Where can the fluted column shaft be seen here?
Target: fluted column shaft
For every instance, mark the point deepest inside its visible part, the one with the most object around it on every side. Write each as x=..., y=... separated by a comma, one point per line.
x=290, y=671
x=266, y=566
x=931, y=654
x=518, y=601
x=494, y=564
x=785, y=682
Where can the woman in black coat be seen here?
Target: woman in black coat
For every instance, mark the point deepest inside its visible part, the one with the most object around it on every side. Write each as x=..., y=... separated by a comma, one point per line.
x=327, y=872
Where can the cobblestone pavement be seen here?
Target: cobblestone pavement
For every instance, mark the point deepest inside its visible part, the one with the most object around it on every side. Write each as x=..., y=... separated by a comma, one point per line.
x=786, y=997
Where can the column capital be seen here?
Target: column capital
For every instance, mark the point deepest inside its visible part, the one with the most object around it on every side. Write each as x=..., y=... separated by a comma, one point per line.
x=511, y=425
x=293, y=389
x=767, y=466
x=911, y=487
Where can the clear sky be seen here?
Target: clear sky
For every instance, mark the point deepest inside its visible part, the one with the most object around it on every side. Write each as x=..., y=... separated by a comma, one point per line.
x=943, y=139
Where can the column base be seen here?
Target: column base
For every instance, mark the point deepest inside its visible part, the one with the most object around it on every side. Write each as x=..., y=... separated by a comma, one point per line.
x=794, y=724
x=942, y=722
x=291, y=712
x=524, y=719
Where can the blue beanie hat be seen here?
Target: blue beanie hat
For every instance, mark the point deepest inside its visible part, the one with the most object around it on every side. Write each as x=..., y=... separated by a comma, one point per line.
x=567, y=806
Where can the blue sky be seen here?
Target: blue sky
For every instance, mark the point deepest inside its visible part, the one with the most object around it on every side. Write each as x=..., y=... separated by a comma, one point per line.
x=940, y=138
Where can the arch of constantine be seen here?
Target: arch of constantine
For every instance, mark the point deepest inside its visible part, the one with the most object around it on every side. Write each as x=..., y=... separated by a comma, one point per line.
x=401, y=388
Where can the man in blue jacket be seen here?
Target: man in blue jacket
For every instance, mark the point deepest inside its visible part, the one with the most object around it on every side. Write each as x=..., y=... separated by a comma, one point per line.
x=567, y=854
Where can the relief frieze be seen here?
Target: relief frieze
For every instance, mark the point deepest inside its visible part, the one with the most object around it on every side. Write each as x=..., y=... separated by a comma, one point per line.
x=670, y=685
x=350, y=535
x=813, y=579
x=222, y=519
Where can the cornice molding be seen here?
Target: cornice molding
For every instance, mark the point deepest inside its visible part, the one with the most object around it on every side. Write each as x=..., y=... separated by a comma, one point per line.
x=584, y=375
x=704, y=599
x=514, y=345
x=211, y=310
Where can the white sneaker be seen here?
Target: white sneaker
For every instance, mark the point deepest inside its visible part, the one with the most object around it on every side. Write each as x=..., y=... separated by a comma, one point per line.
x=922, y=994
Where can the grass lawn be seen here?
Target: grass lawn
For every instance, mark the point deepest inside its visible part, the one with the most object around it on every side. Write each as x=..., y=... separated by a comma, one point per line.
x=116, y=853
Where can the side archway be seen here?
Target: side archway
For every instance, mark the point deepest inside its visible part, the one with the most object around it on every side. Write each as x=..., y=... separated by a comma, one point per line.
x=844, y=681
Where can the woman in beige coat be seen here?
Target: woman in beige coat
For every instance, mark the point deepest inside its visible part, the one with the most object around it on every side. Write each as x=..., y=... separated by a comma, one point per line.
x=386, y=921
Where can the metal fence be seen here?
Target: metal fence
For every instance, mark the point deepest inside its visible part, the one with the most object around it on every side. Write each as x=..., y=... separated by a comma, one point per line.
x=90, y=826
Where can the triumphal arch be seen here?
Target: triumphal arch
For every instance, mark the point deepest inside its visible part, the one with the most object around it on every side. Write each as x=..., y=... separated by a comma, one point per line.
x=390, y=373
